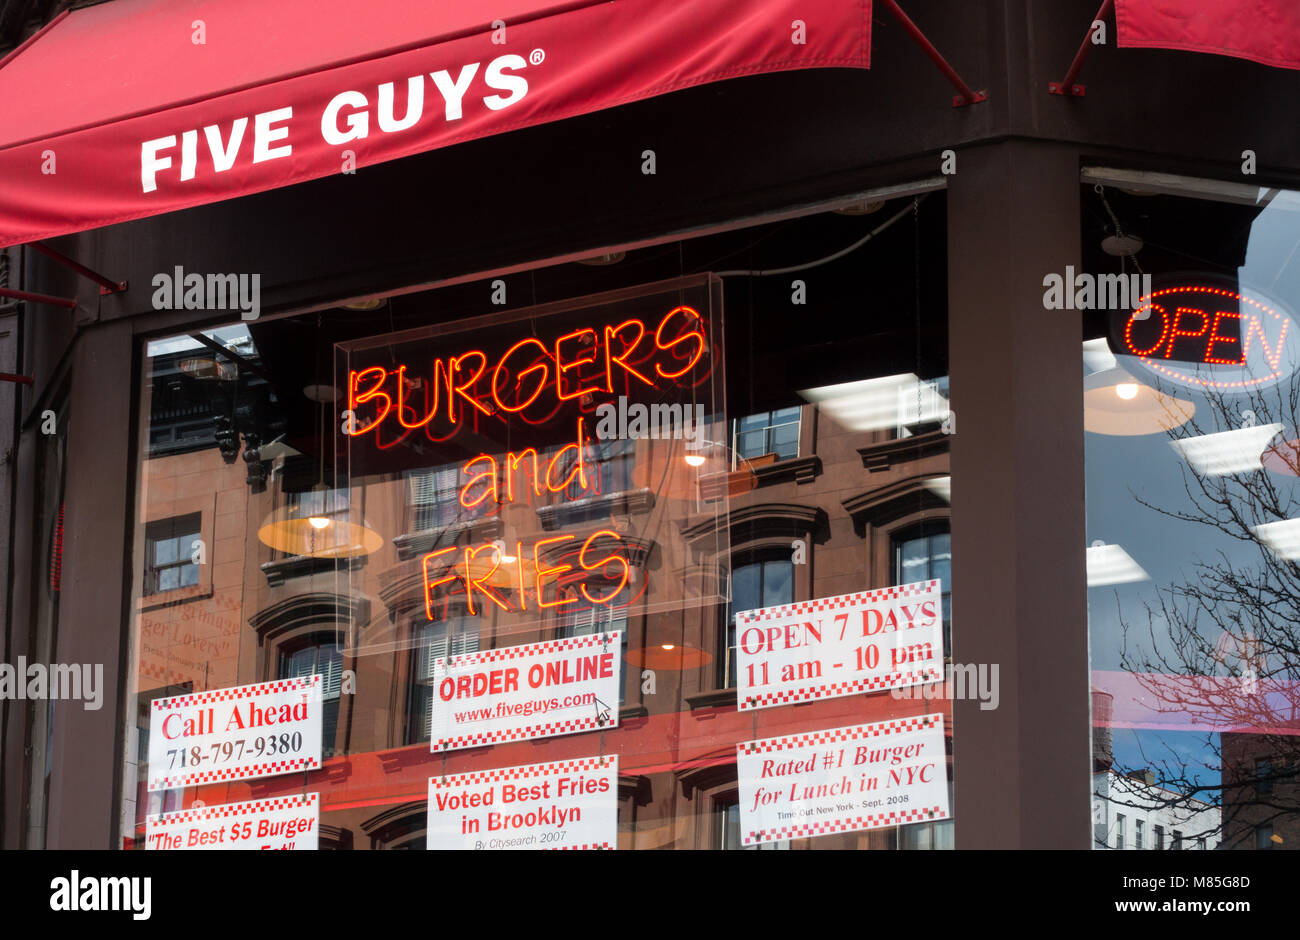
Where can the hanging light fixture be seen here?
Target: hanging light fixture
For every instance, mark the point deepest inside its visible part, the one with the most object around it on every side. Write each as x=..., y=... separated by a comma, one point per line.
x=1116, y=403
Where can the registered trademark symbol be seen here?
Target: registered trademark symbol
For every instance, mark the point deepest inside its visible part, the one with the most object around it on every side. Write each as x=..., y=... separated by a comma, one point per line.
x=537, y=57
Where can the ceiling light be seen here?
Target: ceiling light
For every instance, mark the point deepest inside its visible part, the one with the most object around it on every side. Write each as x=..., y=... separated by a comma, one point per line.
x=1097, y=355
x=865, y=207
x=1110, y=564
x=1282, y=538
x=1127, y=390
x=1121, y=246
x=694, y=460
x=321, y=393
x=372, y=303
x=875, y=404
x=601, y=261
x=1239, y=451
x=318, y=522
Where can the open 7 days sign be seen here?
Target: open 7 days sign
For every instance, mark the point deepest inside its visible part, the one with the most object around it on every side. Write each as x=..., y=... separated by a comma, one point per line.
x=833, y=646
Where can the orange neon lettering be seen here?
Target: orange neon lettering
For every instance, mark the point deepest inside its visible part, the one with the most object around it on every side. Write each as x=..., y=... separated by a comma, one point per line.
x=453, y=368
x=1177, y=331
x=430, y=585
x=401, y=397
x=562, y=367
x=579, y=470
x=472, y=582
x=513, y=462
x=490, y=490
x=1217, y=337
x=543, y=572
x=375, y=391
x=628, y=350
x=600, y=566
x=501, y=367
x=519, y=563
x=696, y=334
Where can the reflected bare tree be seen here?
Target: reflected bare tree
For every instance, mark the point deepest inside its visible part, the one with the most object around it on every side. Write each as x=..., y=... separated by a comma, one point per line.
x=1221, y=643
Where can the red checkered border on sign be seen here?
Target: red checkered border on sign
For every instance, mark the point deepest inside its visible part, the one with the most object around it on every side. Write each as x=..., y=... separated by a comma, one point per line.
x=837, y=689
x=534, y=649
x=271, y=769
x=824, y=604
x=298, y=684
x=870, y=821
x=836, y=735
x=528, y=771
x=582, y=848
x=222, y=810
x=524, y=733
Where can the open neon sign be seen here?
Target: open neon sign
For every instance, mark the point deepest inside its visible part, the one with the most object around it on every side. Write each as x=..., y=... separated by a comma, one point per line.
x=1209, y=336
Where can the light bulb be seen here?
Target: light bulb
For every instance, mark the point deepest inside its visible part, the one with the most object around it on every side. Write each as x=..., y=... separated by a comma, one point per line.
x=695, y=460
x=669, y=646
x=318, y=522
x=1126, y=390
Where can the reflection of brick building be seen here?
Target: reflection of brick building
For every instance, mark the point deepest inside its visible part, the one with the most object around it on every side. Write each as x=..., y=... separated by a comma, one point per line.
x=842, y=488
x=1260, y=790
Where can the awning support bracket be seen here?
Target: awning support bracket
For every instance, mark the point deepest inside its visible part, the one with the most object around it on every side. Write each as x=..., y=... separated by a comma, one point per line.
x=38, y=298
x=967, y=95
x=1067, y=86
x=106, y=286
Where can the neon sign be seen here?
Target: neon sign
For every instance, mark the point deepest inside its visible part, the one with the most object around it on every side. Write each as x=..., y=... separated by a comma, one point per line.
x=1209, y=335
x=531, y=379
x=513, y=403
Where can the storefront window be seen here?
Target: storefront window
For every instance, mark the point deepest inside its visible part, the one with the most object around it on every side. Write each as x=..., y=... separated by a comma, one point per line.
x=626, y=537
x=1188, y=297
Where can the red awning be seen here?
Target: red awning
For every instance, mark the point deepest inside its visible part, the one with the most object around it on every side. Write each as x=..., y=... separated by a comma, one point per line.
x=1265, y=31
x=139, y=107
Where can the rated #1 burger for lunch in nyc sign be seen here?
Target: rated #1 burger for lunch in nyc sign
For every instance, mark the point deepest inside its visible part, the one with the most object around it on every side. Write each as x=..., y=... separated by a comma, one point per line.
x=238, y=733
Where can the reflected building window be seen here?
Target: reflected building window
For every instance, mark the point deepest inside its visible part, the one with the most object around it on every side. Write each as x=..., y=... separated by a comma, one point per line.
x=435, y=498
x=584, y=618
x=768, y=432
x=319, y=653
x=434, y=641
x=169, y=548
x=729, y=838
x=1264, y=837
x=761, y=583
x=924, y=553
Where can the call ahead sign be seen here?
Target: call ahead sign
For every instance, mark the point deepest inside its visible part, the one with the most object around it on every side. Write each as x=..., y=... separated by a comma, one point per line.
x=1209, y=334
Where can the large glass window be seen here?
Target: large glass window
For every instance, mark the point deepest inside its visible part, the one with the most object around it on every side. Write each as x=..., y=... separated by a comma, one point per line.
x=1188, y=295
x=441, y=505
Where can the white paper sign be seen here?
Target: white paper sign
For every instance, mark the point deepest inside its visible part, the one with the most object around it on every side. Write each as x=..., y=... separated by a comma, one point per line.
x=521, y=692
x=239, y=733
x=286, y=822
x=564, y=805
x=835, y=646
x=863, y=777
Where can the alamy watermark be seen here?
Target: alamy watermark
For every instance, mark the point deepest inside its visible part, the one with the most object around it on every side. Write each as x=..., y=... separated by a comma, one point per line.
x=39, y=682
x=961, y=681
x=181, y=291
x=634, y=420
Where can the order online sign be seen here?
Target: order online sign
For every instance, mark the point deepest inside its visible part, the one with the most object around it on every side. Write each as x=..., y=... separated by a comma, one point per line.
x=834, y=646
x=890, y=773
x=564, y=805
x=248, y=731
x=520, y=692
